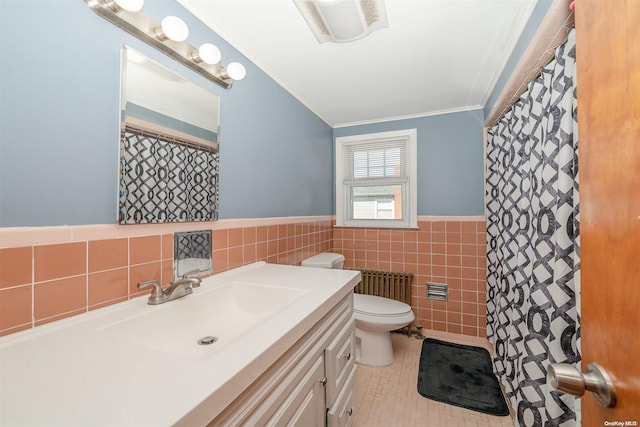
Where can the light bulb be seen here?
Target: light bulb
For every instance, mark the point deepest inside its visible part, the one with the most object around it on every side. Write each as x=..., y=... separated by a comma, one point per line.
x=236, y=71
x=175, y=29
x=129, y=5
x=209, y=53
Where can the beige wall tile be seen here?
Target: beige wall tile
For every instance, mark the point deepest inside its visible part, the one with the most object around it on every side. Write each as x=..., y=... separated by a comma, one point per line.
x=108, y=254
x=144, y=249
x=61, y=296
x=15, y=266
x=15, y=307
x=70, y=251
x=108, y=285
x=61, y=260
x=167, y=246
x=142, y=273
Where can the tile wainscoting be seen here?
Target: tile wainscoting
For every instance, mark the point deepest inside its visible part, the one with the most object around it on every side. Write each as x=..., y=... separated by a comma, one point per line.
x=448, y=250
x=50, y=273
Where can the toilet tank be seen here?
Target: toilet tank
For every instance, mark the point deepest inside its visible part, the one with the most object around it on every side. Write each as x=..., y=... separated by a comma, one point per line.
x=325, y=260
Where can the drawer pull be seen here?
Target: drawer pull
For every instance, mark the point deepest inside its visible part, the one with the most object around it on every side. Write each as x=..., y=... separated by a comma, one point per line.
x=347, y=356
x=349, y=412
x=323, y=381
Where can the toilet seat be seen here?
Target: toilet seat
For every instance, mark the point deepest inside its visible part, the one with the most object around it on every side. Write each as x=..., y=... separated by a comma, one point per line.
x=375, y=317
x=378, y=314
x=372, y=305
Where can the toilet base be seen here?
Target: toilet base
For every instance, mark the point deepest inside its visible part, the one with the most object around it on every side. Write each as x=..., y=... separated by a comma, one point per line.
x=373, y=348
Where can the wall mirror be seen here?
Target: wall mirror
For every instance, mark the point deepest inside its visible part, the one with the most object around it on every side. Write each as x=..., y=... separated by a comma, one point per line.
x=168, y=145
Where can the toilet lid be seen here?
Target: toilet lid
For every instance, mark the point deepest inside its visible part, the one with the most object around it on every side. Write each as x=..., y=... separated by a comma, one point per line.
x=379, y=306
x=323, y=260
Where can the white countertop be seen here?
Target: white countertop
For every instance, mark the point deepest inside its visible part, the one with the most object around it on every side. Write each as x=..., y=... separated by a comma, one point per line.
x=72, y=373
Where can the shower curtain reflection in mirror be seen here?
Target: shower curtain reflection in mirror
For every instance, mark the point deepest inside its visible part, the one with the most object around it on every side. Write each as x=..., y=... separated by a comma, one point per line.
x=168, y=145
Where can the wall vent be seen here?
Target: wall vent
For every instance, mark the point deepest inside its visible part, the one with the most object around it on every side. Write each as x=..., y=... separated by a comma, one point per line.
x=437, y=291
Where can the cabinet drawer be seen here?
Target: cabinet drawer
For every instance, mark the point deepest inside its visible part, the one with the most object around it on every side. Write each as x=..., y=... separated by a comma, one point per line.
x=342, y=412
x=339, y=358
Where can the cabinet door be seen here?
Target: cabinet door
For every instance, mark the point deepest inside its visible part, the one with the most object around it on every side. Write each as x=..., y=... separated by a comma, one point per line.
x=342, y=412
x=305, y=406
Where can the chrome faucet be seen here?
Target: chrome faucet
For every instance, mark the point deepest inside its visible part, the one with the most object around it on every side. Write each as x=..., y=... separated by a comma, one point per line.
x=178, y=289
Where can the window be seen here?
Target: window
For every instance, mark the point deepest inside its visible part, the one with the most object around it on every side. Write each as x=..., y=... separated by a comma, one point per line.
x=376, y=180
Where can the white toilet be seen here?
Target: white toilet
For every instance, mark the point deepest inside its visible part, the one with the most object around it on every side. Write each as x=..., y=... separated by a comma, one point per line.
x=375, y=317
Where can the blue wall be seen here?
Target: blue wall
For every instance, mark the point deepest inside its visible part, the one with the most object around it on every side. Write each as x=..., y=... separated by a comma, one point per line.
x=151, y=116
x=450, y=146
x=59, y=101
x=59, y=115
x=450, y=160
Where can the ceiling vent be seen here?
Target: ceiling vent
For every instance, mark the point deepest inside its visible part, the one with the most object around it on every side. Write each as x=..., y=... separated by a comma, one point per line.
x=342, y=21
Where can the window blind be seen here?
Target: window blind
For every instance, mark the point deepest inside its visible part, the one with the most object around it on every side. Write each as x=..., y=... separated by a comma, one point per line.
x=377, y=160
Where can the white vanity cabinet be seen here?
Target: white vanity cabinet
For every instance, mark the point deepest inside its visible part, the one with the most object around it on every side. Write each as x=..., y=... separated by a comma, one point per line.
x=283, y=356
x=311, y=384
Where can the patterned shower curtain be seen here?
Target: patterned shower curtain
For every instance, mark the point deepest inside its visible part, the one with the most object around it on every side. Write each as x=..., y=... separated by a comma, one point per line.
x=165, y=181
x=533, y=313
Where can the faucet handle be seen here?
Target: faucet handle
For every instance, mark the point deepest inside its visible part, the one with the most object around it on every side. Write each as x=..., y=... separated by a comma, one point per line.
x=190, y=273
x=157, y=287
x=157, y=294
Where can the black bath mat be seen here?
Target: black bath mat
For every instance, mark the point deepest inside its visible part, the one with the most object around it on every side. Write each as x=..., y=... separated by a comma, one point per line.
x=460, y=375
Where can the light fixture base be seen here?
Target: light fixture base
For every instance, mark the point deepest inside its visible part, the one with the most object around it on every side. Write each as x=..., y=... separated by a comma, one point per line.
x=143, y=27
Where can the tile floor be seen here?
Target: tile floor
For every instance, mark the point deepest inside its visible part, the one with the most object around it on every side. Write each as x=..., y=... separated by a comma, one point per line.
x=388, y=396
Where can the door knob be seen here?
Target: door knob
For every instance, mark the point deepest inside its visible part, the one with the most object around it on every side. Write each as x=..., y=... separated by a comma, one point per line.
x=568, y=379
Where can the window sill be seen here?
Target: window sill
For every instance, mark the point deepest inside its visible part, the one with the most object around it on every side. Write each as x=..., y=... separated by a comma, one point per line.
x=377, y=226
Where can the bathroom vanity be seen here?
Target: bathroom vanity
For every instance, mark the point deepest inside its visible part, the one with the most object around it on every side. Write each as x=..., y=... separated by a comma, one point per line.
x=281, y=350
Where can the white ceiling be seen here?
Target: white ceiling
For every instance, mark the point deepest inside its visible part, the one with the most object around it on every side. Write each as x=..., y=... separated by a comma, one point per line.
x=436, y=55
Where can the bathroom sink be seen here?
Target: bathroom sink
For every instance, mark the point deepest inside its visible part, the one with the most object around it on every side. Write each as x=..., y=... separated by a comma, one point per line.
x=224, y=313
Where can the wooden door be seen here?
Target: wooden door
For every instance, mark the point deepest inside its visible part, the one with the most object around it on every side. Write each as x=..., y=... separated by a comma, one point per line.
x=608, y=76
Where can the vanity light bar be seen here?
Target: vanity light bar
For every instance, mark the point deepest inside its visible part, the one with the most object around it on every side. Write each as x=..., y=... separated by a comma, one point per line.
x=145, y=28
